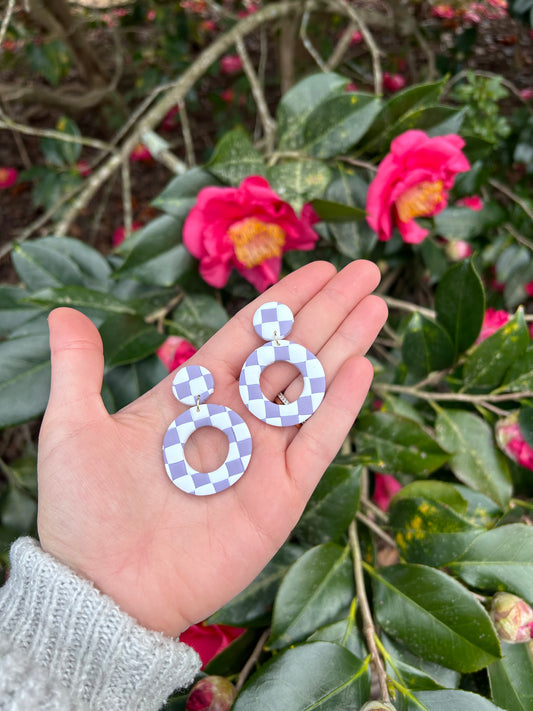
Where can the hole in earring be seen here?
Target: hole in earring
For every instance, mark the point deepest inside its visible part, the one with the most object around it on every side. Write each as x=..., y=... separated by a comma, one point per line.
x=206, y=449
x=281, y=376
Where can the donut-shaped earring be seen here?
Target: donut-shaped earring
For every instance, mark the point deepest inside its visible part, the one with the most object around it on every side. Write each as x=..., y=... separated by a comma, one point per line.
x=192, y=385
x=273, y=321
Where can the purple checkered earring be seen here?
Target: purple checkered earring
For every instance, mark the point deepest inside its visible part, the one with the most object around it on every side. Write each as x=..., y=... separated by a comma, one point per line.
x=192, y=385
x=273, y=321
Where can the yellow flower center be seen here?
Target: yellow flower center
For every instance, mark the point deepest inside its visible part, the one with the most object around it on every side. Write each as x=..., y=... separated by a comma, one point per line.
x=419, y=200
x=256, y=241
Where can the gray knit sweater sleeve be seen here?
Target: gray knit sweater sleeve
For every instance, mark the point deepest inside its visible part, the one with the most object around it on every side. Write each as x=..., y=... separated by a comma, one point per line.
x=66, y=647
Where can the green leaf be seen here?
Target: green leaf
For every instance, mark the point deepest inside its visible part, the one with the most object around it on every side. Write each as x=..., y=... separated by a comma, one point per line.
x=128, y=382
x=233, y=657
x=329, y=211
x=487, y=364
x=434, y=616
x=338, y=123
x=235, y=158
x=181, y=193
x=78, y=297
x=24, y=378
x=428, y=531
x=519, y=376
x=332, y=506
x=197, y=318
x=317, y=590
x=455, y=699
x=460, y=304
x=398, y=444
x=426, y=346
x=511, y=678
x=62, y=153
x=18, y=510
x=127, y=339
x=465, y=223
x=475, y=459
x=500, y=559
x=433, y=490
x=60, y=261
x=382, y=130
x=254, y=604
x=299, y=102
x=314, y=676
x=298, y=182
x=50, y=59
x=344, y=632
x=14, y=311
x=158, y=257
x=525, y=420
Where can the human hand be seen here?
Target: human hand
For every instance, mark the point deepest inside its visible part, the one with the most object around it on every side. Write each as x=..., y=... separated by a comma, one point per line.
x=109, y=511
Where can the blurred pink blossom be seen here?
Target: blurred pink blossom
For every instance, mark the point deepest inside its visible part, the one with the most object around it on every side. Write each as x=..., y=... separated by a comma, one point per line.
x=511, y=441
x=357, y=37
x=231, y=64
x=8, y=177
x=393, y=82
x=119, y=235
x=458, y=249
x=141, y=154
x=83, y=168
x=493, y=320
x=384, y=489
x=474, y=202
x=174, y=352
x=526, y=94
x=170, y=119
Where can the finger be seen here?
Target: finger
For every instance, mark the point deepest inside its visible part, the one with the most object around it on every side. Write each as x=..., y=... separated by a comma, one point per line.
x=77, y=360
x=320, y=438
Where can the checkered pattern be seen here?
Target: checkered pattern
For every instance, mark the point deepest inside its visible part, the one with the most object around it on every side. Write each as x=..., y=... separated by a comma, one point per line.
x=295, y=412
x=273, y=320
x=191, y=383
x=180, y=471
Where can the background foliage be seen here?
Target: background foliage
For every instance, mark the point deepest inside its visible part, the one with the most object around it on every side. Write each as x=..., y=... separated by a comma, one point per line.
x=359, y=603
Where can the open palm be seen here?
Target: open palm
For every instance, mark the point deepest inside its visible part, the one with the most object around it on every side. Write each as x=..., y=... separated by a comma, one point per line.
x=106, y=506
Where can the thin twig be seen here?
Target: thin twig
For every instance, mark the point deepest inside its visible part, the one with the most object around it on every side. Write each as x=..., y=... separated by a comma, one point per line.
x=307, y=42
x=450, y=397
x=6, y=21
x=512, y=196
x=372, y=525
x=368, y=623
x=407, y=306
x=342, y=46
x=373, y=508
x=126, y=196
x=269, y=125
x=187, y=135
x=518, y=237
x=256, y=653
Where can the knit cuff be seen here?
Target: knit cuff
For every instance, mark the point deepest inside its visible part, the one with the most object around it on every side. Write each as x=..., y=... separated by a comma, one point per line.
x=84, y=641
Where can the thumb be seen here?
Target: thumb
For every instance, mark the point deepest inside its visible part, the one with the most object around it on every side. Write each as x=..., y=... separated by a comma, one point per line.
x=77, y=359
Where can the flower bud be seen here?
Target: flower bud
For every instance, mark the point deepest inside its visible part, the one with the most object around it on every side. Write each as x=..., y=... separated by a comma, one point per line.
x=377, y=706
x=512, y=617
x=212, y=693
x=511, y=441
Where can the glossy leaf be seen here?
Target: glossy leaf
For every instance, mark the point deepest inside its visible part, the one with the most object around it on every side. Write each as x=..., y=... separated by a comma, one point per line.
x=24, y=378
x=398, y=444
x=511, y=678
x=62, y=153
x=415, y=672
x=434, y=120
x=332, y=506
x=475, y=461
x=316, y=675
x=434, y=616
x=297, y=103
x=433, y=490
x=464, y=223
x=460, y=304
x=450, y=699
x=127, y=339
x=355, y=239
x=128, y=382
x=338, y=123
x=13, y=309
x=525, y=420
x=197, y=317
x=181, y=193
x=236, y=158
x=60, y=261
x=329, y=211
x=78, y=297
x=519, y=376
x=317, y=590
x=233, y=657
x=500, y=559
x=254, y=604
x=486, y=366
x=298, y=182
x=426, y=346
x=345, y=633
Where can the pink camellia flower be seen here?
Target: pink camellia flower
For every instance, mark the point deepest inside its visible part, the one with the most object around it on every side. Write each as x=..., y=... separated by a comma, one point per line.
x=492, y=321
x=8, y=177
x=83, y=168
x=211, y=693
x=412, y=181
x=175, y=351
x=528, y=288
x=357, y=37
x=351, y=86
x=228, y=95
x=512, y=618
x=119, y=235
x=526, y=94
x=230, y=64
x=393, y=82
x=474, y=202
x=443, y=11
x=246, y=228
x=458, y=249
x=511, y=441
x=170, y=120
x=209, y=640
x=141, y=154
x=384, y=489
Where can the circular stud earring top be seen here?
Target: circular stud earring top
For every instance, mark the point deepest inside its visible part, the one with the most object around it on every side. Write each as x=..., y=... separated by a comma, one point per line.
x=192, y=385
x=273, y=321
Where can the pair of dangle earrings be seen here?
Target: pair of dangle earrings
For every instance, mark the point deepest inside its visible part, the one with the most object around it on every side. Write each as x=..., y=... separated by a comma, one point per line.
x=193, y=384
